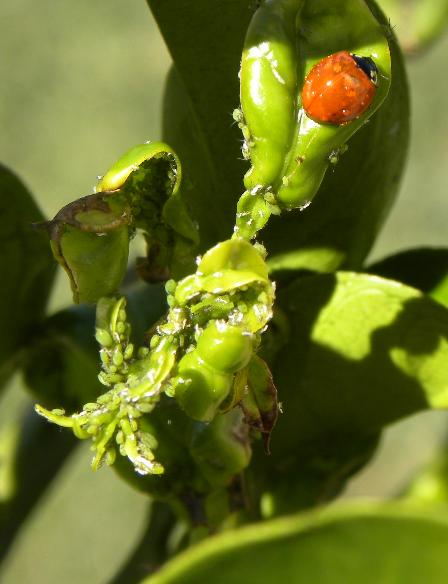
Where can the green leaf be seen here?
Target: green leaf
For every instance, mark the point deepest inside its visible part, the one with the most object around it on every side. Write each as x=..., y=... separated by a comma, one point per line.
x=425, y=269
x=363, y=352
x=96, y=259
x=234, y=254
x=419, y=23
x=201, y=93
x=352, y=203
x=371, y=544
x=26, y=266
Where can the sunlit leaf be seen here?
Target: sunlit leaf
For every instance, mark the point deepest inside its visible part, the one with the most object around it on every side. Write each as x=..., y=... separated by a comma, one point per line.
x=371, y=544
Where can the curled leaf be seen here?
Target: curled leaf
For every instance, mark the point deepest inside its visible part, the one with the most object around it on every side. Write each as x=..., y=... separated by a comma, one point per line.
x=90, y=240
x=149, y=176
x=90, y=236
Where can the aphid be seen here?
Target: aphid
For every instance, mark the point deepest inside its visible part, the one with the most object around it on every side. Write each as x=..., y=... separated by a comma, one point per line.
x=339, y=88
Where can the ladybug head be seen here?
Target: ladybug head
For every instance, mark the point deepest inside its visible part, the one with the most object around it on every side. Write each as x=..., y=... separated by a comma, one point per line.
x=367, y=65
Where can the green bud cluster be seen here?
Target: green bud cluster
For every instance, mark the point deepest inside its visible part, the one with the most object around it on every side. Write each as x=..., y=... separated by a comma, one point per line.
x=206, y=374
x=113, y=421
x=210, y=333
x=228, y=302
x=116, y=351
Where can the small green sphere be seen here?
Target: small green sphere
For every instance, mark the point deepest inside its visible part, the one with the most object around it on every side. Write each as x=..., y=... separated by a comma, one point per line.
x=200, y=389
x=225, y=347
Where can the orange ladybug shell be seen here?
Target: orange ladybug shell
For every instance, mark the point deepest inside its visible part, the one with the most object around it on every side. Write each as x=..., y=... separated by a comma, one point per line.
x=339, y=88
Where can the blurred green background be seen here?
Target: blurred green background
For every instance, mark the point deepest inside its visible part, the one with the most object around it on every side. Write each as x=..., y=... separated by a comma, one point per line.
x=81, y=82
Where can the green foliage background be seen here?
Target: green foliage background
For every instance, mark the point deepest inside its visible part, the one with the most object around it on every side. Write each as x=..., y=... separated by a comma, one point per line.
x=81, y=83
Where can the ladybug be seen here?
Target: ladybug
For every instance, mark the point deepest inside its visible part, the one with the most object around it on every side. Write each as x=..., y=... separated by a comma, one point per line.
x=339, y=88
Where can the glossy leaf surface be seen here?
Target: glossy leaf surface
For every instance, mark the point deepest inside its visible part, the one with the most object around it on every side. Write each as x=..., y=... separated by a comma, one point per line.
x=363, y=352
x=425, y=269
x=369, y=544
